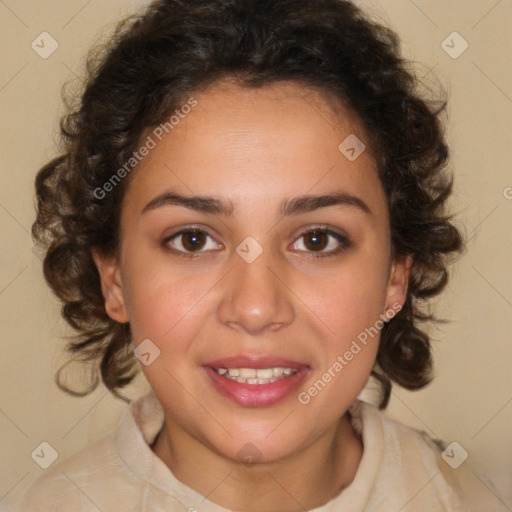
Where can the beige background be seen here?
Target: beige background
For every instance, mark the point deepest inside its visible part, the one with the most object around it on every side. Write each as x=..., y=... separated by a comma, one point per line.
x=470, y=401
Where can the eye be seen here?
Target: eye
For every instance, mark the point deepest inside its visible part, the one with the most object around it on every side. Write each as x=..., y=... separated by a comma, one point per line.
x=323, y=241
x=189, y=241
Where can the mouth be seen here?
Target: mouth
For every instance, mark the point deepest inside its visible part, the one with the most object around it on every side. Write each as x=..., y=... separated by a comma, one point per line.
x=256, y=381
x=256, y=375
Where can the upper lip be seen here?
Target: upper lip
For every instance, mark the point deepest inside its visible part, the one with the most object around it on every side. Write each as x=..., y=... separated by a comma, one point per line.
x=255, y=362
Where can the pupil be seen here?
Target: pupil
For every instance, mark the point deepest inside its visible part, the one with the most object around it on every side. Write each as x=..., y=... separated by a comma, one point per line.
x=193, y=240
x=318, y=239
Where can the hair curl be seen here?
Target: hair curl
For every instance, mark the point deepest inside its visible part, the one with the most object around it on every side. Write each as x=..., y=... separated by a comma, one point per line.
x=176, y=47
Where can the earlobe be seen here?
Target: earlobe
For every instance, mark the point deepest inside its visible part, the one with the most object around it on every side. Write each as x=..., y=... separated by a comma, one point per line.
x=398, y=282
x=111, y=285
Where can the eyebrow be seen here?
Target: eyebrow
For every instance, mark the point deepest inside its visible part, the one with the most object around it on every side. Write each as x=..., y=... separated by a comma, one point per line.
x=288, y=207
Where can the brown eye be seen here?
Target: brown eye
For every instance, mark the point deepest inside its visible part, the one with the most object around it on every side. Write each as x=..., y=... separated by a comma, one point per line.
x=324, y=242
x=188, y=241
x=193, y=240
x=316, y=240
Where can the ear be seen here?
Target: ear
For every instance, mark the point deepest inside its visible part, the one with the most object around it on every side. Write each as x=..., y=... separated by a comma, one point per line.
x=398, y=283
x=111, y=285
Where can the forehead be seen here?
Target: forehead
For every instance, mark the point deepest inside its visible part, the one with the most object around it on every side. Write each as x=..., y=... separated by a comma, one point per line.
x=255, y=145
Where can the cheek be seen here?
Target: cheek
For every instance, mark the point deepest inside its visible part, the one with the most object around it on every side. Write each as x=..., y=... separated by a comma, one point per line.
x=347, y=305
x=350, y=306
x=348, y=300
x=163, y=303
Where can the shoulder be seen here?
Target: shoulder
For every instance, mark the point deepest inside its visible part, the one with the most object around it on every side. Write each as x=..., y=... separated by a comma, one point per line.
x=433, y=473
x=407, y=444
x=411, y=464
x=57, y=481
x=67, y=482
x=108, y=473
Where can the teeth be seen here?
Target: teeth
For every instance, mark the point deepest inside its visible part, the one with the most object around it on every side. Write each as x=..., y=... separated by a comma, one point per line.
x=256, y=375
x=264, y=373
x=247, y=373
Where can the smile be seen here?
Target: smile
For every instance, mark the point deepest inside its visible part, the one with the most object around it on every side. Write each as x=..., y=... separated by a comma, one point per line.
x=256, y=375
x=257, y=381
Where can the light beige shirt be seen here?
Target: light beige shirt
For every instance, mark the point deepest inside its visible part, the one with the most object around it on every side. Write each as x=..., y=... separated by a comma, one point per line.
x=400, y=471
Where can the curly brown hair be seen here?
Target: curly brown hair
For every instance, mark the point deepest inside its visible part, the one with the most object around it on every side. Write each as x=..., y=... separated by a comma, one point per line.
x=176, y=47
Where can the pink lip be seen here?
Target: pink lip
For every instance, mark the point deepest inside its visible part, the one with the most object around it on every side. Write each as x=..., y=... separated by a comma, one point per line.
x=256, y=395
x=254, y=362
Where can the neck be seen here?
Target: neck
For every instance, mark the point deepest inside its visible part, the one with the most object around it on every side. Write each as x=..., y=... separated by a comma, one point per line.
x=304, y=480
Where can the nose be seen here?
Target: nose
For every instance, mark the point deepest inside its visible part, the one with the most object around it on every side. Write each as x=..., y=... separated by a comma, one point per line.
x=255, y=297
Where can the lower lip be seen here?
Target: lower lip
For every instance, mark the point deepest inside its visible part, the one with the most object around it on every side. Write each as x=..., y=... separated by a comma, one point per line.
x=256, y=395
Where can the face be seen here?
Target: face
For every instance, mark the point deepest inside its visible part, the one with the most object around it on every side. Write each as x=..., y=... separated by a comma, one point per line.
x=254, y=256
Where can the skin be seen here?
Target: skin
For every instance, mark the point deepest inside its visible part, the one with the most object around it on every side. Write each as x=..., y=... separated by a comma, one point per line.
x=256, y=148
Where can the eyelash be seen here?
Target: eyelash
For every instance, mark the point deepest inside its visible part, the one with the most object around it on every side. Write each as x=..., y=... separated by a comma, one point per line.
x=343, y=240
